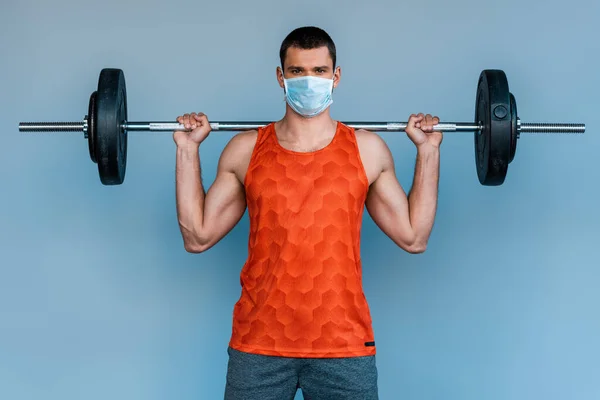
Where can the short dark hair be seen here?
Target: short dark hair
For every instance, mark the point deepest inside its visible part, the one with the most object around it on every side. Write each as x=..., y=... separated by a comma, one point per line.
x=306, y=38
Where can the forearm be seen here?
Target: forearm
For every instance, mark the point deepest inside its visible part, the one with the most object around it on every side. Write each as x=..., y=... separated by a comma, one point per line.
x=423, y=195
x=190, y=195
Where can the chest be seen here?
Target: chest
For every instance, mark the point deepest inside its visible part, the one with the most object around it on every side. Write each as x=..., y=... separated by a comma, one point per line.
x=288, y=182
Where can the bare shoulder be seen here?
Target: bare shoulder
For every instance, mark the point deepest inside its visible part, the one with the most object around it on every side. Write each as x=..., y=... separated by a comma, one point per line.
x=374, y=153
x=239, y=146
x=365, y=135
x=371, y=142
x=237, y=153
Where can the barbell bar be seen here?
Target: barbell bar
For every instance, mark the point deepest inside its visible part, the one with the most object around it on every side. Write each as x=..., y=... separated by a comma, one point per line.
x=497, y=127
x=230, y=126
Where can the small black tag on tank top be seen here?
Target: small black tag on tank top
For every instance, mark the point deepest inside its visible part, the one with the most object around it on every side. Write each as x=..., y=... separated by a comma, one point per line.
x=369, y=344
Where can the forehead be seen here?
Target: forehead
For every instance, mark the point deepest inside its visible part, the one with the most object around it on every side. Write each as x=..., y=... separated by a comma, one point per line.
x=308, y=57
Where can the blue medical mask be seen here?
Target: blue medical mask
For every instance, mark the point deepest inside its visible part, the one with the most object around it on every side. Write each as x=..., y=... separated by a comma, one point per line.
x=308, y=95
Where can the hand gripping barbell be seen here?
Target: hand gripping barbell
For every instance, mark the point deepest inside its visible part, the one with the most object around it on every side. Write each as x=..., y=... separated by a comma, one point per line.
x=497, y=127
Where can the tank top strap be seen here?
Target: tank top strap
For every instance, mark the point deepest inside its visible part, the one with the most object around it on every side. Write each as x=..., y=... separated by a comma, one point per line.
x=347, y=133
x=346, y=139
x=265, y=134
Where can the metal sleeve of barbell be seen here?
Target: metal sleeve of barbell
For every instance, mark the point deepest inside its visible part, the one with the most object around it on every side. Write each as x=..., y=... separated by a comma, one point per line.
x=51, y=126
x=551, y=128
x=242, y=126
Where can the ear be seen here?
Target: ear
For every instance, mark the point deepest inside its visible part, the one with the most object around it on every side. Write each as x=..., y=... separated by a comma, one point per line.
x=337, y=76
x=279, y=74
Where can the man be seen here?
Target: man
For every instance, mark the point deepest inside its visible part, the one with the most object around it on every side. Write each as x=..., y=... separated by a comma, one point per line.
x=302, y=320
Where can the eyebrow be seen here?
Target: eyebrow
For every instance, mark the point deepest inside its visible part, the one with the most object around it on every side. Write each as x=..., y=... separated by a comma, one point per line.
x=302, y=68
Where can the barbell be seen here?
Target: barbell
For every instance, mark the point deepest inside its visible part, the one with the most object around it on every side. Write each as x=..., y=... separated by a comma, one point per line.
x=497, y=127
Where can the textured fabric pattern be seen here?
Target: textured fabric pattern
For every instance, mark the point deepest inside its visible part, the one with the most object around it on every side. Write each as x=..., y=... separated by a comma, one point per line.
x=259, y=377
x=302, y=292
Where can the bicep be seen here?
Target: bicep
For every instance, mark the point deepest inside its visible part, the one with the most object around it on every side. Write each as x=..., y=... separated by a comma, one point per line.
x=224, y=206
x=388, y=206
x=225, y=200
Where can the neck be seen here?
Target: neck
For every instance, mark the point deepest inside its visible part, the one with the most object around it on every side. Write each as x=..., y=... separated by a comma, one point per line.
x=295, y=128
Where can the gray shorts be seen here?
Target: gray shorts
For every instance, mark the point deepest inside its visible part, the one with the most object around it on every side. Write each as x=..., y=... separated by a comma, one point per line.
x=259, y=377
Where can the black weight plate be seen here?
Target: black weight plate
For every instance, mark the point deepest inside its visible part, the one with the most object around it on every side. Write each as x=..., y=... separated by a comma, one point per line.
x=92, y=127
x=111, y=138
x=514, y=127
x=492, y=111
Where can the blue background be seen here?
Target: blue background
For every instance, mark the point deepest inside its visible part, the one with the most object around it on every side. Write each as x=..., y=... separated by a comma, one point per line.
x=98, y=298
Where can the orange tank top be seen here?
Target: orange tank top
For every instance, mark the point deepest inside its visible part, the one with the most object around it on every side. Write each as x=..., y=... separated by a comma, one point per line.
x=302, y=292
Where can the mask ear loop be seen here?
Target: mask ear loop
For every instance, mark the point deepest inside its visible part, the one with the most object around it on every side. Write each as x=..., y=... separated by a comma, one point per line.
x=284, y=85
x=333, y=81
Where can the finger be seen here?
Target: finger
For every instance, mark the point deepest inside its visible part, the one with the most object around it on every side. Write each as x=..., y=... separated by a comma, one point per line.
x=186, y=121
x=414, y=120
x=424, y=122
x=429, y=122
x=204, y=121
x=201, y=119
x=435, y=122
x=193, y=121
x=421, y=121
